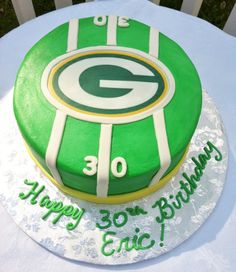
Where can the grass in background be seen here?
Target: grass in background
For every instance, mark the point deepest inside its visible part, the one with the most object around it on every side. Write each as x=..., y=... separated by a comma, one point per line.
x=43, y=6
x=213, y=11
x=176, y=4
x=216, y=11
x=8, y=19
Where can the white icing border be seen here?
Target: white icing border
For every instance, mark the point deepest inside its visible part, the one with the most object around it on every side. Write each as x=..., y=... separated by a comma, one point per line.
x=159, y=118
x=111, y=30
x=162, y=144
x=72, y=35
x=104, y=160
x=154, y=42
x=59, y=122
x=107, y=119
x=54, y=144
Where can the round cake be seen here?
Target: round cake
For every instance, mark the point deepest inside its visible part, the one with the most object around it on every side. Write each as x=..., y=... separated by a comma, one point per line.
x=107, y=107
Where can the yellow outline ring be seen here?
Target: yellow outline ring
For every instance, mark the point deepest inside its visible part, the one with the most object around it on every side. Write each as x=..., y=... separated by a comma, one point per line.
x=62, y=63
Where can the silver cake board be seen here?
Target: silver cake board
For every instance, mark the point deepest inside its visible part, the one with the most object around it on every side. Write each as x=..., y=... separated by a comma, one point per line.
x=114, y=234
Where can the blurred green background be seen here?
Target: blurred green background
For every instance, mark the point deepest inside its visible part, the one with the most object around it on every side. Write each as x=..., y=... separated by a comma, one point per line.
x=214, y=11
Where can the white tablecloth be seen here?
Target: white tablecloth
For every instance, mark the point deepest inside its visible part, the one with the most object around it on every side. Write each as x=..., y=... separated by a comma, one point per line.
x=213, y=246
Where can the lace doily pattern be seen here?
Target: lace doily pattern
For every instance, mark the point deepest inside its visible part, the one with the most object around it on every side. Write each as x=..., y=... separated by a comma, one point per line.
x=115, y=234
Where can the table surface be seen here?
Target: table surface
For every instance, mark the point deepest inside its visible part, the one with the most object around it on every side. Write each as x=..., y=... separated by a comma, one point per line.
x=213, y=246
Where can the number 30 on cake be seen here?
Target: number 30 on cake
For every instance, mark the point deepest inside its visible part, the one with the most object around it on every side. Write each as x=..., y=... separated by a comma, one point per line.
x=107, y=107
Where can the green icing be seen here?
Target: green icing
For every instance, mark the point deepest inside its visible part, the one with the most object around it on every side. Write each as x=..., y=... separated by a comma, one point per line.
x=140, y=152
x=135, y=142
x=107, y=242
x=135, y=36
x=80, y=139
x=135, y=211
x=33, y=112
x=105, y=219
x=162, y=235
x=61, y=210
x=165, y=205
x=112, y=242
x=56, y=208
x=90, y=34
x=34, y=191
x=39, y=159
x=130, y=37
x=90, y=78
x=180, y=127
x=119, y=219
x=137, y=242
x=188, y=185
x=175, y=160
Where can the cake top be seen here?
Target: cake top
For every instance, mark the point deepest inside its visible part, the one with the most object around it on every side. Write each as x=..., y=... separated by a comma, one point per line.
x=107, y=89
x=111, y=69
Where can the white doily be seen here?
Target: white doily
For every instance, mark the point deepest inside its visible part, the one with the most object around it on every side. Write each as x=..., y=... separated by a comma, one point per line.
x=84, y=243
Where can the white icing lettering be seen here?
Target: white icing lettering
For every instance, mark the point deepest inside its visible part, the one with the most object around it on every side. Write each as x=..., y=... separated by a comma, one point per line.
x=118, y=166
x=114, y=167
x=123, y=21
x=100, y=20
x=91, y=169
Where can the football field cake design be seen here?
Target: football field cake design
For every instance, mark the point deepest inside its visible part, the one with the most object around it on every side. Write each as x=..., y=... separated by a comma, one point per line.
x=107, y=107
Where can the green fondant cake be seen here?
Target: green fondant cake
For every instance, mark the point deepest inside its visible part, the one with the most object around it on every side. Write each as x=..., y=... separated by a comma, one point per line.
x=107, y=107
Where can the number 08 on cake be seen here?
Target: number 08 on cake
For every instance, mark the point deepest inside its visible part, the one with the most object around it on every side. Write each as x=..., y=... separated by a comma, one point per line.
x=107, y=107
